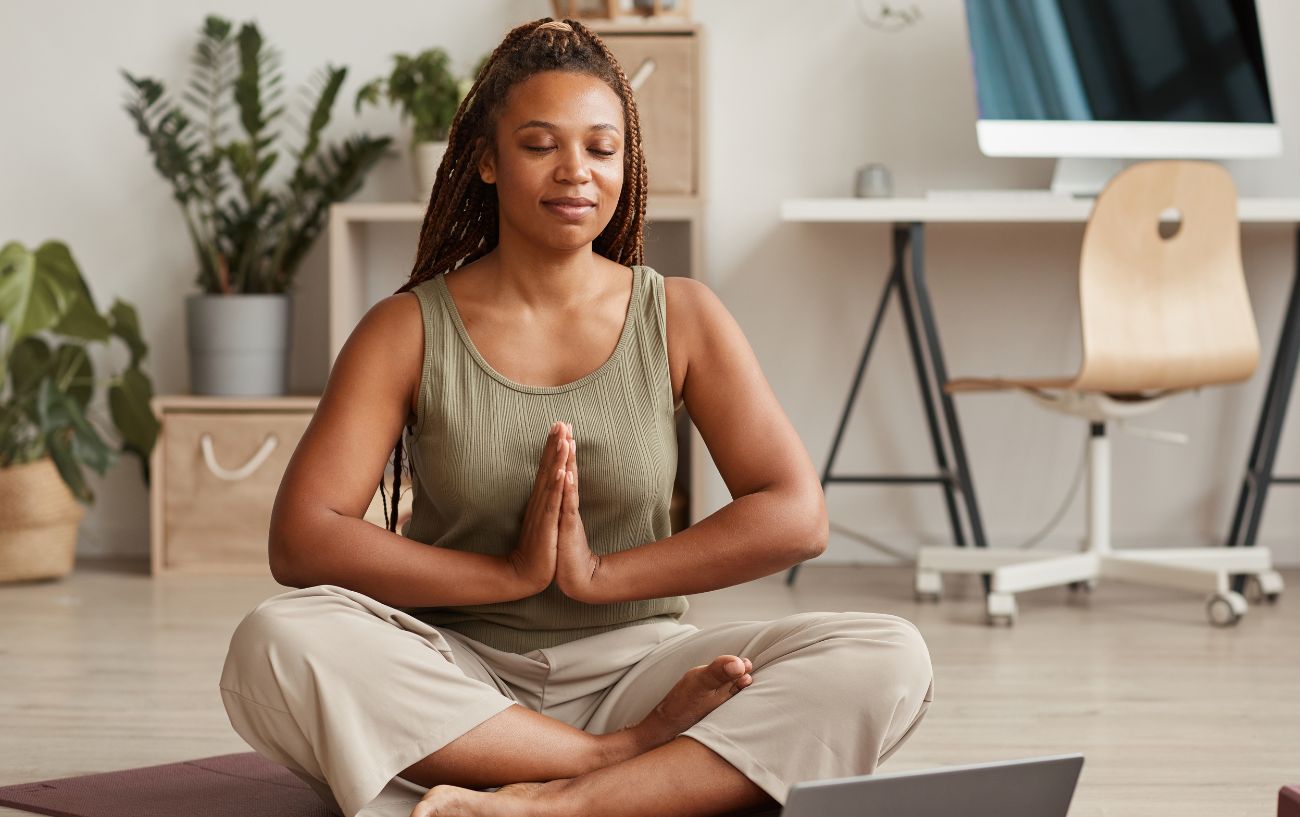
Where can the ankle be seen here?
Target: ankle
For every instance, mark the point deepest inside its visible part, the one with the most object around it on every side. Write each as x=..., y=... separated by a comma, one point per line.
x=560, y=798
x=625, y=744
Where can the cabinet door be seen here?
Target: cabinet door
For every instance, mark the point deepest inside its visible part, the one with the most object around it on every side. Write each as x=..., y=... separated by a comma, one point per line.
x=221, y=471
x=666, y=104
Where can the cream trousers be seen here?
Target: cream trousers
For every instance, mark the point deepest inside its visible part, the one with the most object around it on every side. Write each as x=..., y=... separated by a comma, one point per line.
x=346, y=692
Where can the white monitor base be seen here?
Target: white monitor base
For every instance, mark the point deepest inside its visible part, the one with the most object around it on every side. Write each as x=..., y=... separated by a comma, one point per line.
x=1076, y=176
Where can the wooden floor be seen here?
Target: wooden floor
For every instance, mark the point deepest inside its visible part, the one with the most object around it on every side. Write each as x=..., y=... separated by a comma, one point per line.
x=111, y=669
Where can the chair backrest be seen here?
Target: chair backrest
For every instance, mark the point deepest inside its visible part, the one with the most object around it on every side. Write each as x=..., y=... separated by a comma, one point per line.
x=1164, y=313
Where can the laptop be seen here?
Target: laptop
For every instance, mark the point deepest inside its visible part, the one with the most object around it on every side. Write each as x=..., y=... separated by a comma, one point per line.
x=1029, y=787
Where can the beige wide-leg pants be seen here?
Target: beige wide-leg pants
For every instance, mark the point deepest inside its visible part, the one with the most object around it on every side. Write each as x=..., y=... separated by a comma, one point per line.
x=346, y=692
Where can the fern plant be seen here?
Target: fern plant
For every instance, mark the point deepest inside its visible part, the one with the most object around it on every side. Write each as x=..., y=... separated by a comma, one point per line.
x=248, y=236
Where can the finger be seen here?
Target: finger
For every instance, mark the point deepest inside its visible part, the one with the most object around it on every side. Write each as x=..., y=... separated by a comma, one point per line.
x=555, y=497
x=571, y=465
x=571, y=499
x=549, y=448
x=569, y=507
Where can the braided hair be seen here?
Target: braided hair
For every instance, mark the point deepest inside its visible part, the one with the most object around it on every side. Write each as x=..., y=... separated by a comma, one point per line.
x=460, y=222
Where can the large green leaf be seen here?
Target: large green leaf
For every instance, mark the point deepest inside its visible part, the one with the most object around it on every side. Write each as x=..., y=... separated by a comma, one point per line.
x=72, y=373
x=30, y=361
x=71, y=441
x=125, y=323
x=128, y=402
x=81, y=318
x=36, y=288
x=60, y=449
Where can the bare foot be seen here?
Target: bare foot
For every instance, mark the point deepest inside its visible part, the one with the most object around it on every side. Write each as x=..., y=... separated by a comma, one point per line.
x=701, y=690
x=511, y=800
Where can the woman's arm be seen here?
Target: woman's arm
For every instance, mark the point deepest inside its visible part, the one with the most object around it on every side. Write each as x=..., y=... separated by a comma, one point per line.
x=318, y=534
x=777, y=516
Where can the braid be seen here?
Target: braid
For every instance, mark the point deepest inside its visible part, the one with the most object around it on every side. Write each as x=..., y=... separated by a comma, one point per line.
x=460, y=221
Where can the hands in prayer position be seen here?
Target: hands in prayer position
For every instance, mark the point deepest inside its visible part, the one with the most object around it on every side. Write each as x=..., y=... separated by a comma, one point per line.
x=553, y=543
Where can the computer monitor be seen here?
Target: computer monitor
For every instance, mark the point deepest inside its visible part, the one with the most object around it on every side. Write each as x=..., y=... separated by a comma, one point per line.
x=1097, y=82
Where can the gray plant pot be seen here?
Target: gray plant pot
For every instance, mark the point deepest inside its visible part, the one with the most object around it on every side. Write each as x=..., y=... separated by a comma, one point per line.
x=238, y=344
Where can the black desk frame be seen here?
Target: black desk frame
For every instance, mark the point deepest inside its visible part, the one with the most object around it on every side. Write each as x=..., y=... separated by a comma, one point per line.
x=908, y=281
x=1260, y=474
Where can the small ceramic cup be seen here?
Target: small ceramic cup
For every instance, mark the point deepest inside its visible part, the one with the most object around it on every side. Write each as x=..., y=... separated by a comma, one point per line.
x=873, y=182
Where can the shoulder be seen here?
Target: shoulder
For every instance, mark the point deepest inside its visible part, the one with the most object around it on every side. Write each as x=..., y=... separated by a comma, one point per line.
x=387, y=343
x=693, y=311
x=395, y=319
x=688, y=296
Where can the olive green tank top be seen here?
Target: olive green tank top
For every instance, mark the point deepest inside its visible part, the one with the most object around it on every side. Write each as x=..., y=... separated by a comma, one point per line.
x=475, y=448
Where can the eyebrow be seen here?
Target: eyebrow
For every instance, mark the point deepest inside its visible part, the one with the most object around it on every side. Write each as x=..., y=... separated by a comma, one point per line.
x=540, y=123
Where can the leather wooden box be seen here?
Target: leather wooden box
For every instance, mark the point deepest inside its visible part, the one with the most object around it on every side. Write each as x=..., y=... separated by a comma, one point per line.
x=215, y=471
x=663, y=68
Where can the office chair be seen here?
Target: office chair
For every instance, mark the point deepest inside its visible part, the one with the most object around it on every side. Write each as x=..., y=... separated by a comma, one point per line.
x=1160, y=313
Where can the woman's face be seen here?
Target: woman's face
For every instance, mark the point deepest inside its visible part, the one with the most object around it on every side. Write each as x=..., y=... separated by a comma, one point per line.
x=559, y=136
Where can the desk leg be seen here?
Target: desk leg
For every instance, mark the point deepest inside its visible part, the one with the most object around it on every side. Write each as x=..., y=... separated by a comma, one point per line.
x=1263, y=452
x=964, y=480
x=890, y=283
x=902, y=239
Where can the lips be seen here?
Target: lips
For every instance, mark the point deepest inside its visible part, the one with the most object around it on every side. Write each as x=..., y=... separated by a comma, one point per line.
x=570, y=209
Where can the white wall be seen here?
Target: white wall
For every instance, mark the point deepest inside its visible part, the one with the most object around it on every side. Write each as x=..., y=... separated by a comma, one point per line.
x=796, y=103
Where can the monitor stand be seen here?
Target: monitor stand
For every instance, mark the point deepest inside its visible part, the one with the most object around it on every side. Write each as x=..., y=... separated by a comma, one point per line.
x=1084, y=177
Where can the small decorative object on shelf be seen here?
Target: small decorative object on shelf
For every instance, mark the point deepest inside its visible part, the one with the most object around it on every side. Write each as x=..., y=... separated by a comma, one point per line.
x=873, y=181
x=662, y=8
x=249, y=244
x=46, y=438
x=429, y=94
x=621, y=9
x=888, y=17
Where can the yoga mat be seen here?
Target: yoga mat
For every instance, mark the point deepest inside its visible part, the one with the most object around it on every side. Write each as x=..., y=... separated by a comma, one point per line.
x=236, y=785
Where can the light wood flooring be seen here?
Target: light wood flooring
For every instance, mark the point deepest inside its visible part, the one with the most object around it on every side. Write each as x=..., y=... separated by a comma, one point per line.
x=111, y=669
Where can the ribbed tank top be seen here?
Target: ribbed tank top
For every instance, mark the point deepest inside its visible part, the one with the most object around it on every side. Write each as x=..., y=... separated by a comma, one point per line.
x=475, y=448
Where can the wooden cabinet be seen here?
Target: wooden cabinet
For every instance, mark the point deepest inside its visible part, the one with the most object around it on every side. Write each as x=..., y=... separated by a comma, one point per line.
x=216, y=468
x=662, y=68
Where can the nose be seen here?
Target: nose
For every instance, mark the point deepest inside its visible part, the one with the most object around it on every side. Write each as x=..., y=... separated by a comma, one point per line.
x=572, y=167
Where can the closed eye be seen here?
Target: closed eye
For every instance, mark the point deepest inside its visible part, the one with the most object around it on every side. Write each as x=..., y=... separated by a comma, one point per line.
x=593, y=150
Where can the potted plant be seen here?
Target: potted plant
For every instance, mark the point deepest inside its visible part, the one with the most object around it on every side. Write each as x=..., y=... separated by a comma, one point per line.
x=429, y=94
x=47, y=383
x=249, y=236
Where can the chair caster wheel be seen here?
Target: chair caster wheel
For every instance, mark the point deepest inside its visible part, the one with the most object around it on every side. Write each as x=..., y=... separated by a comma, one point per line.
x=1087, y=586
x=1001, y=609
x=1266, y=587
x=1225, y=609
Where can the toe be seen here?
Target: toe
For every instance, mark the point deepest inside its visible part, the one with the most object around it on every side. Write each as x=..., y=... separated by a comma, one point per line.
x=726, y=668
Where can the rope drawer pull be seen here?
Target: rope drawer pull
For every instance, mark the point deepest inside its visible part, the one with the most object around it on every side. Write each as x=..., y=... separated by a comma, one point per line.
x=254, y=462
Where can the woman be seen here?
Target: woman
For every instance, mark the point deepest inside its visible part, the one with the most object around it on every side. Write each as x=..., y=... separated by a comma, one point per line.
x=537, y=647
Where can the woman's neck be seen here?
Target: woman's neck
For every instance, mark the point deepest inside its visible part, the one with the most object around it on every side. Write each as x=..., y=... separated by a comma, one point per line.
x=545, y=279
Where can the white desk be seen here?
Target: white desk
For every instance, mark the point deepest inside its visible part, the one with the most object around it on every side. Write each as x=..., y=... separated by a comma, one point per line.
x=993, y=209
x=908, y=218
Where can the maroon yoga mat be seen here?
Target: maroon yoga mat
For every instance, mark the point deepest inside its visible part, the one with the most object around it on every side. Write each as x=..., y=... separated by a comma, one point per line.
x=238, y=785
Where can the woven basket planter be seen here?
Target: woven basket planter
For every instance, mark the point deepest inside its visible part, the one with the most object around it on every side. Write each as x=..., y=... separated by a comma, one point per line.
x=38, y=539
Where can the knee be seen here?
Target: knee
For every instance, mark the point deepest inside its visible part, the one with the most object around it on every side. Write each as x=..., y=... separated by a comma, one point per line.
x=886, y=650
x=273, y=633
